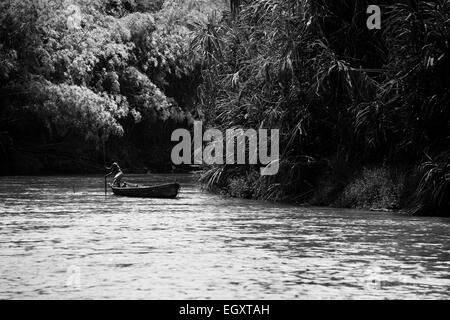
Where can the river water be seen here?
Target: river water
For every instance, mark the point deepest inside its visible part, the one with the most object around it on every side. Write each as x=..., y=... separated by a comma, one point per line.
x=62, y=238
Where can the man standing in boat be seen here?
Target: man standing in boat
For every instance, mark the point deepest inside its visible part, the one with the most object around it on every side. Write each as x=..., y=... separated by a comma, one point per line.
x=117, y=172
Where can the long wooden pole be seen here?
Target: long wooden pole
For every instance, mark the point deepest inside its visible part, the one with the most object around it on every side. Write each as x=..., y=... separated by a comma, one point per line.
x=104, y=164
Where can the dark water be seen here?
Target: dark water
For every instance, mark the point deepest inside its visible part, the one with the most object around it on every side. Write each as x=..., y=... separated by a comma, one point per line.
x=60, y=237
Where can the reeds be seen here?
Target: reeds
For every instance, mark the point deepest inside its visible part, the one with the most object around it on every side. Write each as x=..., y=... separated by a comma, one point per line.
x=335, y=89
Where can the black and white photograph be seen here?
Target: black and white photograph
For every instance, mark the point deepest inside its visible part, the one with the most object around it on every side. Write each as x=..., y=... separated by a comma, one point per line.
x=224, y=150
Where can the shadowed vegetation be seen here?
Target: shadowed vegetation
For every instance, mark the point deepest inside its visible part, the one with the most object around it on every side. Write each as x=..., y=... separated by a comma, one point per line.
x=344, y=97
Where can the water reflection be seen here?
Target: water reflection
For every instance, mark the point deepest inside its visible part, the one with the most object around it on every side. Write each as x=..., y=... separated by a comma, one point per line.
x=60, y=237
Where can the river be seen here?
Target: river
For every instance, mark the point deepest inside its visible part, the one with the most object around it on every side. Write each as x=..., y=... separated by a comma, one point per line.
x=62, y=238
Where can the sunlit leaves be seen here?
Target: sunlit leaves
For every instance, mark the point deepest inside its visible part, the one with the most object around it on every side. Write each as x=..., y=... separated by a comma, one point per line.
x=8, y=62
x=119, y=50
x=78, y=108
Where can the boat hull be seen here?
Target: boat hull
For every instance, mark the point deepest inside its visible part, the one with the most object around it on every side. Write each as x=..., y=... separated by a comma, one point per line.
x=161, y=191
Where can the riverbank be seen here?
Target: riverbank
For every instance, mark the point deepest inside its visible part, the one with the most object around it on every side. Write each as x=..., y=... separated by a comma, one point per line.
x=363, y=122
x=32, y=164
x=374, y=188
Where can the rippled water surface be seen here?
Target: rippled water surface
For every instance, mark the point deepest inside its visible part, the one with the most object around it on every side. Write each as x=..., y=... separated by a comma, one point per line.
x=60, y=237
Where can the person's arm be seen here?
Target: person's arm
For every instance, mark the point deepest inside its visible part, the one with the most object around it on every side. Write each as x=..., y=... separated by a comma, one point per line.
x=110, y=171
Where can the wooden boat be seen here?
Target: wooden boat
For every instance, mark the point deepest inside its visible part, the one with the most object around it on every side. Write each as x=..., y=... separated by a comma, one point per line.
x=161, y=191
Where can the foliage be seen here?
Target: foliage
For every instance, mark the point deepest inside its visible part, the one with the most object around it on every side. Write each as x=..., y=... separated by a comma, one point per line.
x=335, y=89
x=97, y=70
x=374, y=188
x=434, y=188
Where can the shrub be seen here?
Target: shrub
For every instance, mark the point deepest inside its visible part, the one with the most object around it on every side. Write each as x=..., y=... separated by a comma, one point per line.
x=433, y=193
x=373, y=188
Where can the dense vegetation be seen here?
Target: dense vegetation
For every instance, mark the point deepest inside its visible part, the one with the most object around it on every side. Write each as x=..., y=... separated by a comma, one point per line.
x=86, y=81
x=364, y=114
